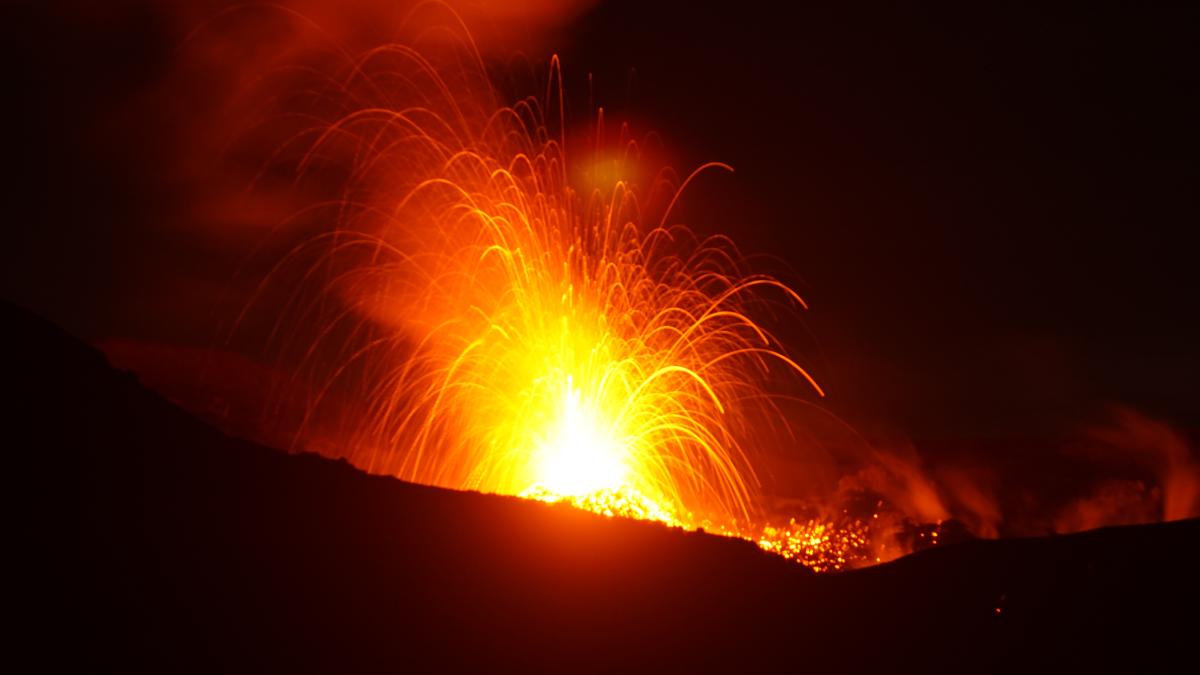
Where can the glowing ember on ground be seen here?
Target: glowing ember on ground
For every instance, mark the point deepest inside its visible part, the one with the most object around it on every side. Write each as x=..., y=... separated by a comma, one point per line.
x=620, y=502
x=820, y=545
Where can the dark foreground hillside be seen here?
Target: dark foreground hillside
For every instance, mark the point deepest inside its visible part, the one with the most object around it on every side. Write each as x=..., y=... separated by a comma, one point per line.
x=146, y=539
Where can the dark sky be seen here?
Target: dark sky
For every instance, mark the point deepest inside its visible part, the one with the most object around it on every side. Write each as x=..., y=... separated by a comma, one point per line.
x=991, y=210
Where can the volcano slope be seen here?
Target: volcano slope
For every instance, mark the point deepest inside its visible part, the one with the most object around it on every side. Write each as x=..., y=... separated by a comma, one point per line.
x=145, y=538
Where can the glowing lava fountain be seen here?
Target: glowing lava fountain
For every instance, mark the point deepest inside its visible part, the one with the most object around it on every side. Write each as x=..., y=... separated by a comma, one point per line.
x=508, y=318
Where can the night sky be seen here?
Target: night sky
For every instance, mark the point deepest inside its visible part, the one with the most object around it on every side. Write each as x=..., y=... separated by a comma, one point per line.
x=991, y=212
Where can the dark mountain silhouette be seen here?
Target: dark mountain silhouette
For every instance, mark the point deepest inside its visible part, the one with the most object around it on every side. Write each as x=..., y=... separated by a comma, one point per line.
x=144, y=537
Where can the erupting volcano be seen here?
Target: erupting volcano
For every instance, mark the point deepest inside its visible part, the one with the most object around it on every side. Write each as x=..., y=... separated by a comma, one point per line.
x=503, y=315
